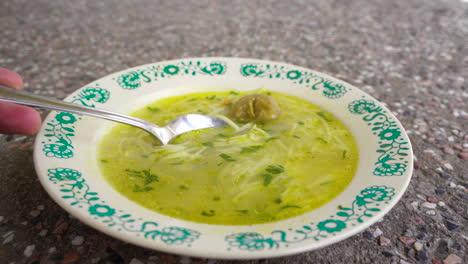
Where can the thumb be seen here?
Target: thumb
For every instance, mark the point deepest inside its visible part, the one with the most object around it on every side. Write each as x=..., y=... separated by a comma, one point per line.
x=16, y=119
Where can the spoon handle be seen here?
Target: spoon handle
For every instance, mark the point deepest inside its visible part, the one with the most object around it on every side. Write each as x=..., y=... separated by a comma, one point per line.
x=21, y=97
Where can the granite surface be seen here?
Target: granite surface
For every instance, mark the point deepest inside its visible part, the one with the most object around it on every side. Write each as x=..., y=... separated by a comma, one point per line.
x=411, y=54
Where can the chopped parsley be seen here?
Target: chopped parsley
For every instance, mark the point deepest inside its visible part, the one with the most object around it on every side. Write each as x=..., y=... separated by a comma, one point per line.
x=145, y=174
x=323, y=115
x=153, y=109
x=250, y=149
x=138, y=188
x=326, y=182
x=208, y=213
x=149, y=177
x=275, y=169
x=226, y=157
x=323, y=140
x=134, y=173
x=270, y=139
x=208, y=144
x=267, y=178
x=291, y=206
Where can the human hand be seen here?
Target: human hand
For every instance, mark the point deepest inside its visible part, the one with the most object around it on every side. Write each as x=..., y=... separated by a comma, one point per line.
x=16, y=119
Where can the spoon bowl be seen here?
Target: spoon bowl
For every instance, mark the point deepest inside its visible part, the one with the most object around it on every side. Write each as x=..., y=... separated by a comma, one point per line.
x=165, y=134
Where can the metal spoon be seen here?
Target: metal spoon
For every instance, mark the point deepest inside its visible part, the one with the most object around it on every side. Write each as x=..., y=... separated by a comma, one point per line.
x=165, y=134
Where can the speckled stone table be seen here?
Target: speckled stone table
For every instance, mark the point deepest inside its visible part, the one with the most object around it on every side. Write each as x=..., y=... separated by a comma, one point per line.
x=411, y=54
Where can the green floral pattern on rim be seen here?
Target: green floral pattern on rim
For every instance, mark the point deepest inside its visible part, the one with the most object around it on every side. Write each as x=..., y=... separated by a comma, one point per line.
x=364, y=205
x=330, y=88
x=76, y=190
x=60, y=130
x=134, y=79
x=393, y=147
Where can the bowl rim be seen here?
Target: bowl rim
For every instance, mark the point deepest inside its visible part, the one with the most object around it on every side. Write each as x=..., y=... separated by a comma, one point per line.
x=233, y=254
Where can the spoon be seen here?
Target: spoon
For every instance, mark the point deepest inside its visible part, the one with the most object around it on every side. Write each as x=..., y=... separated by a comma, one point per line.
x=165, y=134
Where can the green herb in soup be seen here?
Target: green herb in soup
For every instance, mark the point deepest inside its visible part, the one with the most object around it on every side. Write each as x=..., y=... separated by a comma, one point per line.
x=280, y=157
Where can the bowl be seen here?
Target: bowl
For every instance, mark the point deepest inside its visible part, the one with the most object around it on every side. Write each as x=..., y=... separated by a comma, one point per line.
x=65, y=157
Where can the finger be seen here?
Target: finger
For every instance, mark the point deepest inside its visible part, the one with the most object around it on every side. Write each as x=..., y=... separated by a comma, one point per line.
x=18, y=119
x=11, y=79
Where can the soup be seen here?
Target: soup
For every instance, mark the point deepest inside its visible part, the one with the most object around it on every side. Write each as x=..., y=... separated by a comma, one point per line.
x=250, y=172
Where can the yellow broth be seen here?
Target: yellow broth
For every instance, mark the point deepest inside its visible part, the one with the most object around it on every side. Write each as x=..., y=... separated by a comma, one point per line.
x=247, y=173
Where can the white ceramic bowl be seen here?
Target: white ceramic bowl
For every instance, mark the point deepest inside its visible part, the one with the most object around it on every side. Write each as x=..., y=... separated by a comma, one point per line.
x=66, y=161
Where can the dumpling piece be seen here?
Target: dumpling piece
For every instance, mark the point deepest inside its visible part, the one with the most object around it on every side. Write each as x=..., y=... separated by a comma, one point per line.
x=255, y=107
